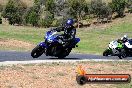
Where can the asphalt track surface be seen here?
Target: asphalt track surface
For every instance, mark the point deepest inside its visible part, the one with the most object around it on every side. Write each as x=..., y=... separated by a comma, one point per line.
x=26, y=56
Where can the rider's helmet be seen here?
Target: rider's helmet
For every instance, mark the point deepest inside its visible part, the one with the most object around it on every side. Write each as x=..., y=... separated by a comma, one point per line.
x=124, y=38
x=69, y=22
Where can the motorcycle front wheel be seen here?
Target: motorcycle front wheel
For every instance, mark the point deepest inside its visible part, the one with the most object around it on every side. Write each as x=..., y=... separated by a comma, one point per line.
x=106, y=52
x=37, y=51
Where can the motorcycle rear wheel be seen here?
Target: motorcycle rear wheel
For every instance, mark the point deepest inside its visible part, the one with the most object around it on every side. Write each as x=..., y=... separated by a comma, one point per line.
x=122, y=55
x=64, y=54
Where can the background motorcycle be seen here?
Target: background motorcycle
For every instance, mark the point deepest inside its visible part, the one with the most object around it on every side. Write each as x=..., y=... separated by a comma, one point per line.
x=115, y=49
x=53, y=46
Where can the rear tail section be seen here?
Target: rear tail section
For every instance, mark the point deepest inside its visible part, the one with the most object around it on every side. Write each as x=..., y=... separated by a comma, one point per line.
x=77, y=40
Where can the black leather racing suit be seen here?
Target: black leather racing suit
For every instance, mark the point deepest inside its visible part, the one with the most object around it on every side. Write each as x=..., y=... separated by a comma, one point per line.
x=122, y=40
x=69, y=34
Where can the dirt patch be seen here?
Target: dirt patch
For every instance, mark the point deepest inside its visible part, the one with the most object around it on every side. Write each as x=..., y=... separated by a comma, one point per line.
x=15, y=43
x=58, y=75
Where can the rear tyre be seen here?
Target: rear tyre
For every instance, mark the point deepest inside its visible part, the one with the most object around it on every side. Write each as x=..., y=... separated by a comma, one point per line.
x=64, y=54
x=106, y=52
x=36, y=52
x=61, y=57
x=122, y=55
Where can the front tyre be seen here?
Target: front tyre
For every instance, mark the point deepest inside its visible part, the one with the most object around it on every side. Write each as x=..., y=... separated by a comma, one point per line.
x=106, y=52
x=36, y=52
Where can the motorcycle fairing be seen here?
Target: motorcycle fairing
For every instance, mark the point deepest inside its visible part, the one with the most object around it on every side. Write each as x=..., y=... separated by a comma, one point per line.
x=113, y=45
x=129, y=44
x=76, y=40
x=42, y=44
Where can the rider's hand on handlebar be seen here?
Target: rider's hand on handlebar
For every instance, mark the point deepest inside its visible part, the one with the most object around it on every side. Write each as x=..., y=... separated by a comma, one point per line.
x=61, y=37
x=53, y=30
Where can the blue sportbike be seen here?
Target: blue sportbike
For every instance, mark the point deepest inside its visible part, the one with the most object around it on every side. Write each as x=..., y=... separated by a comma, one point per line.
x=53, y=46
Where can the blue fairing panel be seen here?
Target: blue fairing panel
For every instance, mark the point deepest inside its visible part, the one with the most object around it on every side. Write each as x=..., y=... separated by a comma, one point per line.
x=77, y=40
x=42, y=44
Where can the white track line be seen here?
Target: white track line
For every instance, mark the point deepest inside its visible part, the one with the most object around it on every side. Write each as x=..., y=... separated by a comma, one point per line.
x=51, y=61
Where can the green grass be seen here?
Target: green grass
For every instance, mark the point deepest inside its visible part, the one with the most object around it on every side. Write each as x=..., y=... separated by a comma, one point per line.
x=28, y=34
x=92, y=41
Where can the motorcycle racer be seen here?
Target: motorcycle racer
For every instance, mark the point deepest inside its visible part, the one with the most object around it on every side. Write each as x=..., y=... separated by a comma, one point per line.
x=123, y=39
x=57, y=44
x=69, y=32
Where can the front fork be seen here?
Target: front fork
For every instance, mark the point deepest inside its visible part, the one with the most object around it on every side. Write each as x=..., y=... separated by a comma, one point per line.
x=110, y=50
x=43, y=46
